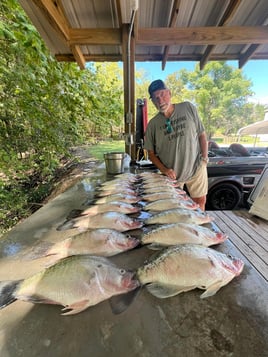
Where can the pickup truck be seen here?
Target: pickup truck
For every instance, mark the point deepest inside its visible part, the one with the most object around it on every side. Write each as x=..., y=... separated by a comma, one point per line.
x=232, y=175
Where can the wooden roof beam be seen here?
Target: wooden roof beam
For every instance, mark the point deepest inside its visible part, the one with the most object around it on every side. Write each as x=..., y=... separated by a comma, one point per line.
x=78, y=56
x=203, y=36
x=247, y=55
x=54, y=15
x=94, y=36
x=174, y=16
x=229, y=12
x=173, y=36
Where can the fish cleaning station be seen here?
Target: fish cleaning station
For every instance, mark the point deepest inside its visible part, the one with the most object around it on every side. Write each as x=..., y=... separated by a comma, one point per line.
x=231, y=318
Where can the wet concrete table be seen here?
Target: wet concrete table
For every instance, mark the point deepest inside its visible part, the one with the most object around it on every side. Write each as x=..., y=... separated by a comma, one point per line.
x=234, y=322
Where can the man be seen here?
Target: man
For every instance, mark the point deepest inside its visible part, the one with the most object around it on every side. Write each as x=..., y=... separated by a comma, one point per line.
x=176, y=142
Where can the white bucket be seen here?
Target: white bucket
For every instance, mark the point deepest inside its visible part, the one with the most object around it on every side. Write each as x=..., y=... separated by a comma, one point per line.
x=114, y=162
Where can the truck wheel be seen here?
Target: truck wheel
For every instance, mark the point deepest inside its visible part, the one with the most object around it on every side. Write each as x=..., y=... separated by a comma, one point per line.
x=223, y=197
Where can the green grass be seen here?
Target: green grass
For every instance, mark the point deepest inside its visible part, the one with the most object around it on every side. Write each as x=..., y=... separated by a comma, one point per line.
x=106, y=146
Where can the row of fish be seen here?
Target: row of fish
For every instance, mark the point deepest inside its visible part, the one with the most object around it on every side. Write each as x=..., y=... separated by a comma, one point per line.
x=80, y=281
x=84, y=275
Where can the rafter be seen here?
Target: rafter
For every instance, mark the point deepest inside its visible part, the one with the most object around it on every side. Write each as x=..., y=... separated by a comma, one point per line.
x=247, y=55
x=54, y=14
x=251, y=50
x=229, y=12
x=79, y=57
x=157, y=57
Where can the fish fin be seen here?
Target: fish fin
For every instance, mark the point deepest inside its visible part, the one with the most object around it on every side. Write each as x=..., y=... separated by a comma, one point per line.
x=66, y=225
x=155, y=246
x=119, y=303
x=212, y=289
x=74, y=213
x=75, y=308
x=164, y=290
x=8, y=292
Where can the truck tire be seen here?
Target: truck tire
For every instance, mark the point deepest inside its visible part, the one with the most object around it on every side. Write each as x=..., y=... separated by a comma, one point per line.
x=223, y=197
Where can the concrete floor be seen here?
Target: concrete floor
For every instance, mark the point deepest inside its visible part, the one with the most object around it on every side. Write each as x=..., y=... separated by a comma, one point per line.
x=234, y=322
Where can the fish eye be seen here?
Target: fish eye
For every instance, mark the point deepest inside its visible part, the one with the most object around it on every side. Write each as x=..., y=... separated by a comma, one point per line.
x=122, y=271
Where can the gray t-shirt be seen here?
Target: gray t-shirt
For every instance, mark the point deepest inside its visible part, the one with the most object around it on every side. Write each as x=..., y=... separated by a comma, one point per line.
x=179, y=150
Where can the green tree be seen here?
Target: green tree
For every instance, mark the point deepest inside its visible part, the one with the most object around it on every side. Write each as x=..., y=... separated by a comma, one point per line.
x=45, y=108
x=220, y=93
x=109, y=99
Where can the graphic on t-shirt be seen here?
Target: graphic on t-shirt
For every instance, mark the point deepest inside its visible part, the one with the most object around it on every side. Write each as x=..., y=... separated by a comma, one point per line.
x=175, y=128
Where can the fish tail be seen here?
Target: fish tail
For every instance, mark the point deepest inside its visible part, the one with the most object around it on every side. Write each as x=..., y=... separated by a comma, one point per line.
x=7, y=292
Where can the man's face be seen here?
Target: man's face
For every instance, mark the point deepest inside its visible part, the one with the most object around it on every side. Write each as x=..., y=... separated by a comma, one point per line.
x=161, y=99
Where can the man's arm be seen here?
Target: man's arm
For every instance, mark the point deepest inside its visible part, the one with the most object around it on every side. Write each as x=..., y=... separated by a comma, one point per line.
x=203, y=145
x=166, y=171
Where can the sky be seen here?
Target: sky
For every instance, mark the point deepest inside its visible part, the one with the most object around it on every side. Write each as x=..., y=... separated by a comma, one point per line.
x=255, y=70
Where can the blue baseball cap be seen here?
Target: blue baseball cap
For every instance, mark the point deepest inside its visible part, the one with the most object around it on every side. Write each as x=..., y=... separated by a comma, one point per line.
x=158, y=84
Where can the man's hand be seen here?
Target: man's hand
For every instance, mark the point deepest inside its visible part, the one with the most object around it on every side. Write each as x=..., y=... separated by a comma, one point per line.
x=170, y=173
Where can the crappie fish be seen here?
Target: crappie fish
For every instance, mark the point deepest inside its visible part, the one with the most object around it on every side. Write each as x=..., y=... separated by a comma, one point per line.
x=123, y=179
x=160, y=179
x=115, y=206
x=177, y=215
x=127, y=176
x=182, y=233
x=163, y=196
x=159, y=188
x=170, y=203
x=185, y=267
x=113, y=220
x=116, y=190
x=101, y=242
x=154, y=176
x=75, y=282
x=108, y=185
x=119, y=197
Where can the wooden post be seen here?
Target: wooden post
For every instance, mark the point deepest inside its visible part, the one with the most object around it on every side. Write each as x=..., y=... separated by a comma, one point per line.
x=128, y=56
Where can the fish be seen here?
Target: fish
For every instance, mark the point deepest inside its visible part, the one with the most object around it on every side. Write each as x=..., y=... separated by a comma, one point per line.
x=150, y=176
x=162, y=196
x=125, y=179
x=113, y=191
x=118, y=197
x=160, y=179
x=113, y=220
x=128, y=176
x=160, y=188
x=103, y=242
x=170, y=203
x=182, y=233
x=108, y=185
x=75, y=282
x=185, y=267
x=177, y=215
x=115, y=206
